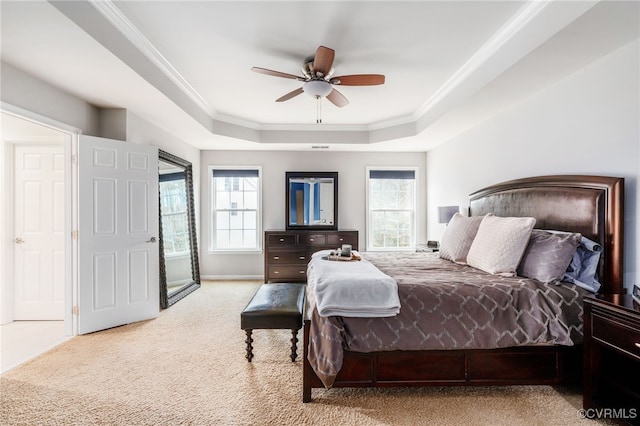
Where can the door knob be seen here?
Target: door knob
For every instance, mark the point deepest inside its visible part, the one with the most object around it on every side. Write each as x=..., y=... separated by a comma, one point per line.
x=19, y=240
x=152, y=240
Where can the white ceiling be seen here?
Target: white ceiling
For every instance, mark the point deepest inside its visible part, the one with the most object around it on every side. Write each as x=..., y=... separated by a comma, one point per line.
x=185, y=65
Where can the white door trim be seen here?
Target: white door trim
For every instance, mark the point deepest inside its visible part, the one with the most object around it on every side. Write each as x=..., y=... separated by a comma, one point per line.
x=70, y=149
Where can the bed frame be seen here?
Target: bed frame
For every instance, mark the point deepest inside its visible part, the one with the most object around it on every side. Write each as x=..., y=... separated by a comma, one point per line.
x=591, y=205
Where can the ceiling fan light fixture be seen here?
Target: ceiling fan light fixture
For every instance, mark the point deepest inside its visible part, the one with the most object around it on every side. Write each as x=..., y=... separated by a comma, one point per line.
x=317, y=88
x=319, y=80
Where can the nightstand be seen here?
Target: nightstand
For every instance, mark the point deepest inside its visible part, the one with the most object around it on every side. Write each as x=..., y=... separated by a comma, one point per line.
x=433, y=247
x=611, y=353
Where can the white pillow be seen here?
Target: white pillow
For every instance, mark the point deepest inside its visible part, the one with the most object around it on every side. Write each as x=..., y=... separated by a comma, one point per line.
x=458, y=237
x=500, y=244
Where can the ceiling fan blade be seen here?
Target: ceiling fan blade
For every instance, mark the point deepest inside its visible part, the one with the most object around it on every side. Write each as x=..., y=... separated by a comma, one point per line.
x=337, y=98
x=290, y=95
x=276, y=73
x=323, y=60
x=358, y=80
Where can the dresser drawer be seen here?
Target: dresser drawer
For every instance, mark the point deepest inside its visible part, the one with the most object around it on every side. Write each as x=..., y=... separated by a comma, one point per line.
x=313, y=239
x=281, y=240
x=290, y=257
x=338, y=240
x=614, y=334
x=288, y=272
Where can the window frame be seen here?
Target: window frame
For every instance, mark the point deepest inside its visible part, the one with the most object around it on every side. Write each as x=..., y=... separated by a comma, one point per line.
x=212, y=213
x=368, y=219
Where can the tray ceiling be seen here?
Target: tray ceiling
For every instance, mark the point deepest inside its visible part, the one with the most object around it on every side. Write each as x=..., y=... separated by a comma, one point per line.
x=185, y=65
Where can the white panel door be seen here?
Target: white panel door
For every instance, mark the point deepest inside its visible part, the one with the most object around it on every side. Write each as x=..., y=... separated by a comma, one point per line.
x=39, y=222
x=117, y=233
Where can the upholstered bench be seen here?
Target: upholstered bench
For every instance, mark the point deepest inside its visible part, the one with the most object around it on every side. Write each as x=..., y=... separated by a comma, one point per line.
x=274, y=306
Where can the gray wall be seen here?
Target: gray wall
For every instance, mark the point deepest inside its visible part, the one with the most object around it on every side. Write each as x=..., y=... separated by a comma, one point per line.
x=141, y=131
x=351, y=196
x=22, y=90
x=587, y=123
x=27, y=92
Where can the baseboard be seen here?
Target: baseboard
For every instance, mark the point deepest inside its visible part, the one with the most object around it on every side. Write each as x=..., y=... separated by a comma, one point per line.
x=232, y=277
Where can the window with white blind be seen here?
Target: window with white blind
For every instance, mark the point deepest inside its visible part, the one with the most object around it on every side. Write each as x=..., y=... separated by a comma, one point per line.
x=391, y=209
x=235, y=209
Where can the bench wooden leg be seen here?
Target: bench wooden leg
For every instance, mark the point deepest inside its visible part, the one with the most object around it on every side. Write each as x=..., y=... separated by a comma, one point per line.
x=294, y=345
x=249, y=341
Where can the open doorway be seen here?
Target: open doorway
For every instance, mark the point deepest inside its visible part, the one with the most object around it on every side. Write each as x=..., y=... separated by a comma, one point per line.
x=36, y=225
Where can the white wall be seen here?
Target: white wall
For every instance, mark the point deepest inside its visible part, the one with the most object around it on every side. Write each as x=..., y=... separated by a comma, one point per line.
x=587, y=123
x=351, y=196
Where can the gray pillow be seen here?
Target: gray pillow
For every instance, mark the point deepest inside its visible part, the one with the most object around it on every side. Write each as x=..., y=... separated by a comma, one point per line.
x=548, y=255
x=500, y=243
x=458, y=237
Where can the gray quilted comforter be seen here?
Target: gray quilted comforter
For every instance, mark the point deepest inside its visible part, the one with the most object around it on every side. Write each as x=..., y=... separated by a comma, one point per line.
x=448, y=306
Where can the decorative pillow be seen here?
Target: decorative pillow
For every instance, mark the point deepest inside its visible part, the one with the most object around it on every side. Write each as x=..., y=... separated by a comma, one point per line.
x=548, y=255
x=500, y=243
x=583, y=268
x=458, y=237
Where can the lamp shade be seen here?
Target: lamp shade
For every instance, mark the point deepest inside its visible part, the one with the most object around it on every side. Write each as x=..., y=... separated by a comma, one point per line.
x=445, y=213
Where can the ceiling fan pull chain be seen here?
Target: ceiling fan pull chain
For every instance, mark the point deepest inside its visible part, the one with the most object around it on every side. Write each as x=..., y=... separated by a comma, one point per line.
x=319, y=111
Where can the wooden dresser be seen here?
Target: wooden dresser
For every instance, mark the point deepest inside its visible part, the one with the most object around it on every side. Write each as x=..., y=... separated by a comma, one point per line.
x=612, y=355
x=287, y=253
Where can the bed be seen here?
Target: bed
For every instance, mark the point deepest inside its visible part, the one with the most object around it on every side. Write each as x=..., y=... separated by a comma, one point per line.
x=589, y=205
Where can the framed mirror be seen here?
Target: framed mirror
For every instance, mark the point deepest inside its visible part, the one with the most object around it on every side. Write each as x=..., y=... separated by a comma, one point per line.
x=179, y=266
x=312, y=200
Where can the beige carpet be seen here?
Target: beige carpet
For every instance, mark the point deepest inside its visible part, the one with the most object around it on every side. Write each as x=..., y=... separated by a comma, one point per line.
x=188, y=367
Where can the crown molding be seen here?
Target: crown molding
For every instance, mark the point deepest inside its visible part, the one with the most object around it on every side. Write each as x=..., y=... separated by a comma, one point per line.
x=516, y=23
x=115, y=16
x=497, y=50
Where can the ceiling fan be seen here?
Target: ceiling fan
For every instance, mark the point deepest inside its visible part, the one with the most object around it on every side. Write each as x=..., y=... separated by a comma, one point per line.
x=319, y=80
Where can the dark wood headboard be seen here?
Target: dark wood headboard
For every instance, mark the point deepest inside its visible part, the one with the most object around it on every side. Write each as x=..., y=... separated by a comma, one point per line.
x=591, y=205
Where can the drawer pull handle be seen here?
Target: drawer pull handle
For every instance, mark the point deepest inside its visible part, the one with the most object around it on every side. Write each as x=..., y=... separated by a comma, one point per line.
x=301, y=258
x=276, y=272
x=341, y=239
x=281, y=240
x=310, y=239
x=301, y=272
x=638, y=345
x=276, y=257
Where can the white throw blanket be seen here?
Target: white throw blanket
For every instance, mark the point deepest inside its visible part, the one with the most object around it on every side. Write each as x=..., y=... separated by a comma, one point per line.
x=352, y=289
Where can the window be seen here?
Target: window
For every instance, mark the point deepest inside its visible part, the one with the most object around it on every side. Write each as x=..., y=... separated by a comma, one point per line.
x=175, y=224
x=235, y=215
x=391, y=209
